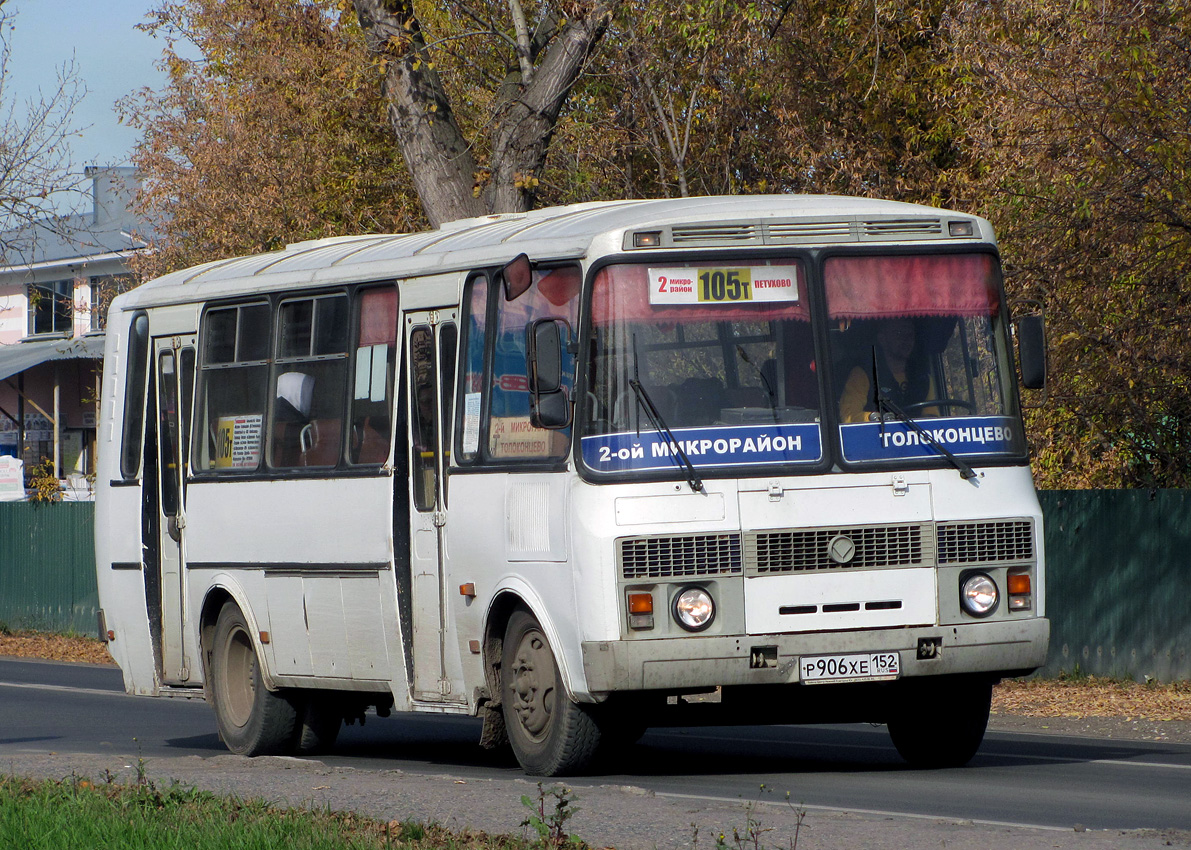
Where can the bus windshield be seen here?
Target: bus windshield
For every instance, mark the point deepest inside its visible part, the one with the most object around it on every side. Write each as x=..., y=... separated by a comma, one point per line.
x=920, y=337
x=726, y=355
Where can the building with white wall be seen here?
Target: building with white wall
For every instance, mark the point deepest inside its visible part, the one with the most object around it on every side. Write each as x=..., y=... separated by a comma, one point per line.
x=56, y=278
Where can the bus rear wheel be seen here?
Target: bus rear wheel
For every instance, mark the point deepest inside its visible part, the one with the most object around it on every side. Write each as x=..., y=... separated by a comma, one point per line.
x=550, y=734
x=252, y=720
x=941, y=724
x=319, y=719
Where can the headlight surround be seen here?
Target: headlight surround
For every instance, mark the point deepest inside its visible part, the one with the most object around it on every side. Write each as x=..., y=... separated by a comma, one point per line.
x=694, y=609
x=978, y=594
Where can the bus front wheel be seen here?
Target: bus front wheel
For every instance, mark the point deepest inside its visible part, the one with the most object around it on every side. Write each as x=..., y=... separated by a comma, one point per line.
x=252, y=720
x=942, y=723
x=550, y=734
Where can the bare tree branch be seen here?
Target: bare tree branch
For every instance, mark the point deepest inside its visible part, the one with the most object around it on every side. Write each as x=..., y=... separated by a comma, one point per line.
x=36, y=178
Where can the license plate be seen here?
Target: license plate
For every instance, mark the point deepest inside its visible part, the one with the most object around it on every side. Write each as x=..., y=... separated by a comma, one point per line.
x=859, y=667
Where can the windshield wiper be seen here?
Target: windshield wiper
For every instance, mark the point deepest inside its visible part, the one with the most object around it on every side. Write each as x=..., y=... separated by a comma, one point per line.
x=883, y=403
x=659, y=425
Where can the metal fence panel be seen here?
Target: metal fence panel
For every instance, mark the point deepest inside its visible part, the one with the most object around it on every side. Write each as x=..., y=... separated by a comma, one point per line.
x=1118, y=568
x=1118, y=577
x=47, y=566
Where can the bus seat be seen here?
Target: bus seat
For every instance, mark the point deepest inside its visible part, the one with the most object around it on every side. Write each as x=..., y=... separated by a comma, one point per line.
x=321, y=442
x=370, y=440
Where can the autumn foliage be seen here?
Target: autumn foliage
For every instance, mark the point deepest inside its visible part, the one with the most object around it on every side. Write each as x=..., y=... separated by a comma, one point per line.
x=1062, y=121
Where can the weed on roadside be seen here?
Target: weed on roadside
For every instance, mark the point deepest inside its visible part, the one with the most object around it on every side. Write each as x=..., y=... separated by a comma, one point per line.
x=752, y=835
x=551, y=825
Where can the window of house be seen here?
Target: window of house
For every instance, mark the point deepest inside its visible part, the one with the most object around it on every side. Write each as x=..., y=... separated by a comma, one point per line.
x=103, y=290
x=50, y=307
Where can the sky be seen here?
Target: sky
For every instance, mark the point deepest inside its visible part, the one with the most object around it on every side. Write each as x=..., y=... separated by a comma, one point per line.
x=111, y=56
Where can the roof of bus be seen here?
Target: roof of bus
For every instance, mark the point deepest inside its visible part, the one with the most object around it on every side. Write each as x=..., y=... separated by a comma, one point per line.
x=544, y=234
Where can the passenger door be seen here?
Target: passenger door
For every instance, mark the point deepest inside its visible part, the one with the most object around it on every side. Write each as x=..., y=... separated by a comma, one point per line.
x=432, y=339
x=174, y=366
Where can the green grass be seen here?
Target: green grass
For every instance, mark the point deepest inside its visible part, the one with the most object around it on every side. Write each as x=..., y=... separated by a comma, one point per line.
x=82, y=815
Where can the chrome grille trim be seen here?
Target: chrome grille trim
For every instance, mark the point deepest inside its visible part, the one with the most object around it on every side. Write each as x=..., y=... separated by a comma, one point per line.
x=988, y=541
x=802, y=550
x=677, y=556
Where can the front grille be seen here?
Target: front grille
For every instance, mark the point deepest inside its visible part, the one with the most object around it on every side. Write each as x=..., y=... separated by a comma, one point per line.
x=769, y=552
x=986, y=542
x=903, y=228
x=810, y=231
x=683, y=555
x=725, y=232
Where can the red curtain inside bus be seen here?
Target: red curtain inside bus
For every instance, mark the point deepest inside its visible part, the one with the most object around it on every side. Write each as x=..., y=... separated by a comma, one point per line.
x=889, y=287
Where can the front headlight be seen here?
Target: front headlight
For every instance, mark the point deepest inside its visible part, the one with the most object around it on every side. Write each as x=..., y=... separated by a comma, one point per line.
x=978, y=595
x=694, y=609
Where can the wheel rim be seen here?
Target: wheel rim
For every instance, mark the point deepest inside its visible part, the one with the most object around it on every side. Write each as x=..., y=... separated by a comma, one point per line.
x=532, y=685
x=239, y=669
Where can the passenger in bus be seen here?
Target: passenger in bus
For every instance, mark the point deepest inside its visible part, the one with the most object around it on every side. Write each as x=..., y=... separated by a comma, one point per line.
x=291, y=413
x=902, y=372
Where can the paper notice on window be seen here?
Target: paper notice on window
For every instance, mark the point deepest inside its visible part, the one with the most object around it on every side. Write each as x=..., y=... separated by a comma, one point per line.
x=380, y=372
x=471, y=422
x=516, y=436
x=238, y=442
x=363, y=372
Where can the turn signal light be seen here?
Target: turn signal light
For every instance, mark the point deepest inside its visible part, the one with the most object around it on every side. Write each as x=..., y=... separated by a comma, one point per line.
x=1019, y=591
x=640, y=611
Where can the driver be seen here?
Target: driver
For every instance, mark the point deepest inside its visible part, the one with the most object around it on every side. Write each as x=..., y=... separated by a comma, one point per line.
x=902, y=372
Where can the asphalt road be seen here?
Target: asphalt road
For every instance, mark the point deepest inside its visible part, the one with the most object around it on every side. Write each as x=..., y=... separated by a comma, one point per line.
x=61, y=715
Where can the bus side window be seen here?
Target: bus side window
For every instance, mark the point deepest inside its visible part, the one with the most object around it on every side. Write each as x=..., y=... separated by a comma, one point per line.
x=376, y=353
x=553, y=294
x=309, y=382
x=425, y=451
x=135, y=379
x=475, y=324
x=233, y=379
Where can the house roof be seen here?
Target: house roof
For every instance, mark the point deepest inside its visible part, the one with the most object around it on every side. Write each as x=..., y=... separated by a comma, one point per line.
x=24, y=355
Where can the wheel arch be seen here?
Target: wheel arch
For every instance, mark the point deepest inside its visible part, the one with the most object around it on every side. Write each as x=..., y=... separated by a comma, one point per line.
x=219, y=594
x=516, y=596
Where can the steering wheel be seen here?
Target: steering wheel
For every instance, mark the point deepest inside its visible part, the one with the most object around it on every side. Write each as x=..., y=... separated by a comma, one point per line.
x=939, y=402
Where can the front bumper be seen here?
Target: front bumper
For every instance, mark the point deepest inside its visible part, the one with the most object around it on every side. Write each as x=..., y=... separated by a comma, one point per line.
x=1014, y=646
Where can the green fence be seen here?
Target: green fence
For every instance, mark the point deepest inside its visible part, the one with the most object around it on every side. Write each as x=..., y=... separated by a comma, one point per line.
x=47, y=566
x=1118, y=593
x=1118, y=577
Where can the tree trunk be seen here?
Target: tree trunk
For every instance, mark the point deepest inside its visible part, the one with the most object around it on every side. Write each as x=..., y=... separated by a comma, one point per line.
x=523, y=134
x=438, y=157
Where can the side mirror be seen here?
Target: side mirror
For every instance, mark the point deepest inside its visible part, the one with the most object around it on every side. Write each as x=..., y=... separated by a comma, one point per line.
x=518, y=275
x=1031, y=349
x=549, y=405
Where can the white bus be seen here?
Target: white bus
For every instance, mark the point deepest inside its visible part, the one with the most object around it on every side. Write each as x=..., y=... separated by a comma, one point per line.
x=578, y=472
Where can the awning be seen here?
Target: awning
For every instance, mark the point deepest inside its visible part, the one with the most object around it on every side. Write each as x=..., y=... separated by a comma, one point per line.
x=25, y=355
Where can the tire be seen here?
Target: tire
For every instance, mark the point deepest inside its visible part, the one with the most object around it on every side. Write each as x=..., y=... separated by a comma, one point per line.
x=942, y=724
x=252, y=720
x=550, y=734
x=319, y=720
